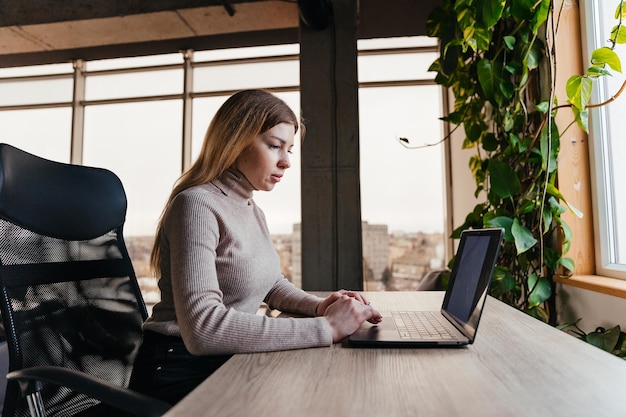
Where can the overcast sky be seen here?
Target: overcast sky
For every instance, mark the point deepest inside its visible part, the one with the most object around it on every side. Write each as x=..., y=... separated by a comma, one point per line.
x=141, y=141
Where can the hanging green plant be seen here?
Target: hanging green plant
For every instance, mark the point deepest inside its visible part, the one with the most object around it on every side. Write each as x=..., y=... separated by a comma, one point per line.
x=496, y=58
x=602, y=61
x=611, y=340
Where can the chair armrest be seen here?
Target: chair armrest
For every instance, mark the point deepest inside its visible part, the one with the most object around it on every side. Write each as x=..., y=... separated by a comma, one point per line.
x=124, y=399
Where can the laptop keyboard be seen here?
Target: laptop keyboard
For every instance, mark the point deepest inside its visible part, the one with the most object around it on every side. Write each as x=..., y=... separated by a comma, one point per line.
x=421, y=325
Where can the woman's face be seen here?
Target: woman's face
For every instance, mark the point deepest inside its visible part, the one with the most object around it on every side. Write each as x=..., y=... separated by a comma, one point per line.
x=266, y=160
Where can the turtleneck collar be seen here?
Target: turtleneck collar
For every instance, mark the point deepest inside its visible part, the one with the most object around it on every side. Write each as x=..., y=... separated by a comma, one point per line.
x=234, y=184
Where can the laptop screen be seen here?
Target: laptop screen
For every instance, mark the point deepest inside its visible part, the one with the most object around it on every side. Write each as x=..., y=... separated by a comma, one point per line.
x=471, y=276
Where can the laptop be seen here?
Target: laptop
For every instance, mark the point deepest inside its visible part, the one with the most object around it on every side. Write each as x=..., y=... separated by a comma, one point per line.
x=455, y=324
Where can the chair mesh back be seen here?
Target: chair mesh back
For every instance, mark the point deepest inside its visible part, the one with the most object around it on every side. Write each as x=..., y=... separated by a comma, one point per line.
x=73, y=304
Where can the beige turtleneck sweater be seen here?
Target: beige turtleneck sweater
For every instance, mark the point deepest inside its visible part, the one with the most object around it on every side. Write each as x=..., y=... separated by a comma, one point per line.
x=218, y=264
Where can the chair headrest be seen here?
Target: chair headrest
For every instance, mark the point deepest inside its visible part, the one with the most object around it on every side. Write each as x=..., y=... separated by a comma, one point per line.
x=64, y=201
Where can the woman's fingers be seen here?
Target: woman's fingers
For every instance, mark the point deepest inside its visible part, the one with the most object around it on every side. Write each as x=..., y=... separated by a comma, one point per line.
x=356, y=295
x=347, y=314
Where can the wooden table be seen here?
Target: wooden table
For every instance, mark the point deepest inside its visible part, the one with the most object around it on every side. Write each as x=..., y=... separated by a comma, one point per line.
x=517, y=366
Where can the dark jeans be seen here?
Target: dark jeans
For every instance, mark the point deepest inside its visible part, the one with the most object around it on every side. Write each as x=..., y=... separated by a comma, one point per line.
x=164, y=368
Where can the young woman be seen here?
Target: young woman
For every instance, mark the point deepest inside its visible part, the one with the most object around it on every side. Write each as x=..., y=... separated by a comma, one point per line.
x=217, y=263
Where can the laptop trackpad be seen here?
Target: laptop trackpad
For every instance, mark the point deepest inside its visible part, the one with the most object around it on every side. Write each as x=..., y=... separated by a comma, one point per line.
x=387, y=323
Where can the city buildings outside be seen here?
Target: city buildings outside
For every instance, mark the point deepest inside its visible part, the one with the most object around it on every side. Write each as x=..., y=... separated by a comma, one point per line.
x=396, y=261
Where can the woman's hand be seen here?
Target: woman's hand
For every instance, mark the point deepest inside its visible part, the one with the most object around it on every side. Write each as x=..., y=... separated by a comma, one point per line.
x=323, y=305
x=346, y=311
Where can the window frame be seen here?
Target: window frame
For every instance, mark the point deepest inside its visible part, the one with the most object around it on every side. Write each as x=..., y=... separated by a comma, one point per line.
x=593, y=36
x=84, y=71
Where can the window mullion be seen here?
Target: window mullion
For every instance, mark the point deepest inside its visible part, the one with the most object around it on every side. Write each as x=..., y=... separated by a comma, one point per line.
x=187, y=108
x=78, y=113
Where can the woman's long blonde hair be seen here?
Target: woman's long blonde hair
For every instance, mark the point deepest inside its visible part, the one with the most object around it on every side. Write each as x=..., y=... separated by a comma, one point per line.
x=238, y=121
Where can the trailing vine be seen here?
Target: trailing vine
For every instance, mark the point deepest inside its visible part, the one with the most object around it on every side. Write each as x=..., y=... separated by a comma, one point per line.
x=496, y=57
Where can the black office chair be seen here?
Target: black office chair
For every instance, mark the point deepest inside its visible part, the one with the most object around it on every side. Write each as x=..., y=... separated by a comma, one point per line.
x=69, y=298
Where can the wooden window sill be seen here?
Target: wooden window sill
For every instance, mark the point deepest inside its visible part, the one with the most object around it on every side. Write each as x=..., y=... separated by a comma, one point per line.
x=597, y=283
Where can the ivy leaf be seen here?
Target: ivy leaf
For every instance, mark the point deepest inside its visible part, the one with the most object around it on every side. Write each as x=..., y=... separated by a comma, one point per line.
x=502, y=282
x=492, y=12
x=509, y=41
x=462, y=4
x=534, y=57
x=555, y=207
x=604, y=339
x=450, y=57
x=507, y=89
x=618, y=33
x=473, y=129
x=541, y=14
x=524, y=238
x=552, y=190
x=475, y=164
x=568, y=263
x=620, y=12
x=482, y=38
x=522, y=9
x=543, y=107
x=454, y=117
x=503, y=222
x=578, y=90
x=597, y=72
x=540, y=290
x=549, y=151
x=567, y=236
x=524, y=77
x=509, y=122
x=486, y=78
x=526, y=207
x=464, y=15
x=434, y=21
x=536, y=11
x=539, y=313
x=547, y=220
x=513, y=68
x=582, y=118
x=606, y=56
x=503, y=179
x=551, y=257
x=490, y=142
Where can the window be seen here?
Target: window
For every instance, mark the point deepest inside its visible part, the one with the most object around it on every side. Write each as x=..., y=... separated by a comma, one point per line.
x=143, y=148
x=44, y=132
x=36, y=104
x=608, y=147
x=132, y=123
x=402, y=189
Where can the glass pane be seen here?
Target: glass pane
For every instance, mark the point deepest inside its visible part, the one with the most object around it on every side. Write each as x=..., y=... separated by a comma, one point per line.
x=65, y=68
x=607, y=126
x=203, y=111
x=140, y=142
x=617, y=155
x=43, y=132
x=402, y=190
x=413, y=66
x=36, y=91
x=402, y=42
x=251, y=52
x=246, y=75
x=134, y=62
x=134, y=84
x=616, y=146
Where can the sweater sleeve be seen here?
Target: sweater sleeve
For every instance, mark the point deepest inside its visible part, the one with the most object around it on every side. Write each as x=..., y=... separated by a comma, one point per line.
x=284, y=296
x=207, y=325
